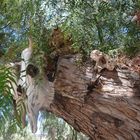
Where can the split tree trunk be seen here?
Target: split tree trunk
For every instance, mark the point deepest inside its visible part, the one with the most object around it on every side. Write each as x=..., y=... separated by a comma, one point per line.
x=110, y=111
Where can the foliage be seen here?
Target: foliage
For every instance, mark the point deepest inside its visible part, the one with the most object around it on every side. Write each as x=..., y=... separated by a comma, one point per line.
x=6, y=104
x=47, y=125
x=9, y=133
x=53, y=127
x=102, y=25
x=7, y=108
x=93, y=24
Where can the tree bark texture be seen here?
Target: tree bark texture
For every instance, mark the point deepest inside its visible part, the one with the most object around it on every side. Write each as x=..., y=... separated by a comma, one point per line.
x=106, y=110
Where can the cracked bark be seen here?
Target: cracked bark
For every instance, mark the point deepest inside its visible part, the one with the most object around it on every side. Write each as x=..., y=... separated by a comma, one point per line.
x=111, y=111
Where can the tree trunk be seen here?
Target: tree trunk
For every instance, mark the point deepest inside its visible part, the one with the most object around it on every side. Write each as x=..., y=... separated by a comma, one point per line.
x=107, y=110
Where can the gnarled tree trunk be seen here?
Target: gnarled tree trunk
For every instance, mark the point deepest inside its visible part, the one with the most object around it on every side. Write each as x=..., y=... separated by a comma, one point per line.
x=108, y=110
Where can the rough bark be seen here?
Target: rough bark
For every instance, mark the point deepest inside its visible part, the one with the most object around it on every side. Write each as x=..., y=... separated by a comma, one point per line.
x=110, y=111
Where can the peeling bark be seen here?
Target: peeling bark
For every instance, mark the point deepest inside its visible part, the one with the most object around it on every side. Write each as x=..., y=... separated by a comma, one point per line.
x=110, y=111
